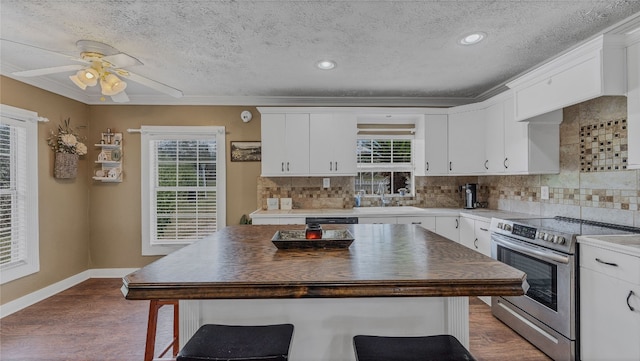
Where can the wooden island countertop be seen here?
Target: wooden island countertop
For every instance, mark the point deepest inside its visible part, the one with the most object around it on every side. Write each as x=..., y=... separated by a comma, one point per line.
x=241, y=262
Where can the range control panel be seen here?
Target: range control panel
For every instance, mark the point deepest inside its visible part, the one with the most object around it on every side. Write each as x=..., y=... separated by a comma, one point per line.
x=524, y=231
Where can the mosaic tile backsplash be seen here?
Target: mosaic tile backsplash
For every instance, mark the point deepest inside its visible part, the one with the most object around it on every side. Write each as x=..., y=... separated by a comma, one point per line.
x=608, y=194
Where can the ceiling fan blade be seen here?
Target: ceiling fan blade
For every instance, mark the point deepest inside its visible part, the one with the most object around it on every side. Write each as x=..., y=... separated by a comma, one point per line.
x=153, y=84
x=121, y=97
x=52, y=70
x=122, y=60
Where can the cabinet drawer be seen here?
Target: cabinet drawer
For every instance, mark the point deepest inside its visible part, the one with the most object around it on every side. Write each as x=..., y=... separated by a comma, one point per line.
x=614, y=264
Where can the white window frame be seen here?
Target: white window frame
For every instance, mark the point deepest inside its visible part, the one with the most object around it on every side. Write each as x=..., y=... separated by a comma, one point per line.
x=27, y=194
x=390, y=167
x=151, y=133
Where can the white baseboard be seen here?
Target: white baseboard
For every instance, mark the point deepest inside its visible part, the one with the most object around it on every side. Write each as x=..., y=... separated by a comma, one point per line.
x=46, y=292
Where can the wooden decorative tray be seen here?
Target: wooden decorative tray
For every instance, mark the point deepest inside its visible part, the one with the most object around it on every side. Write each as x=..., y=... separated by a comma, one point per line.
x=333, y=238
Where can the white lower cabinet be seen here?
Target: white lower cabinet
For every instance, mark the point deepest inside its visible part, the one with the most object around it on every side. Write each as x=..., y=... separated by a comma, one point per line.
x=609, y=305
x=475, y=235
x=428, y=223
x=377, y=220
x=448, y=227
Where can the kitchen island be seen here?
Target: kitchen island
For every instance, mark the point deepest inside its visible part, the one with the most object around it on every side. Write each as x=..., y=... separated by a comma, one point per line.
x=393, y=280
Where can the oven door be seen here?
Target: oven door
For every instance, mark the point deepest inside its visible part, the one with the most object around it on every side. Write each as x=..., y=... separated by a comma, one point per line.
x=550, y=275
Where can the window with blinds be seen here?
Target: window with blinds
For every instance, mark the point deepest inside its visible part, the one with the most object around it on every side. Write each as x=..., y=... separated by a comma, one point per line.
x=385, y=164
x=19, y=254
x=185, y=183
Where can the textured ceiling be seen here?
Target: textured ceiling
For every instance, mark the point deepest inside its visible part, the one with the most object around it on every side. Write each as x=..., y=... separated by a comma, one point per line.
x=260, y=52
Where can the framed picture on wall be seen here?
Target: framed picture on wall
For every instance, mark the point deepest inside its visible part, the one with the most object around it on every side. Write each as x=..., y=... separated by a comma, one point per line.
x=246, y=151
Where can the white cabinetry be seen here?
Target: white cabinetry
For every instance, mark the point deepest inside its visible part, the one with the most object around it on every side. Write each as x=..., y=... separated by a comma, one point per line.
x=285, y=144
x=512, y=147
x=466, y=142
x=448, y=227
x=609, y=305
x=633, y=104
x=332, y=144
x=431, y=145
x=428, y=223
x=475, y=235
x=377, y=220
x=594, y=69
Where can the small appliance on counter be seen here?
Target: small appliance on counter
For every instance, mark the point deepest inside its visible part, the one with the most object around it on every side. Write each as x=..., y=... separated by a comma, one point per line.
x=470, y=195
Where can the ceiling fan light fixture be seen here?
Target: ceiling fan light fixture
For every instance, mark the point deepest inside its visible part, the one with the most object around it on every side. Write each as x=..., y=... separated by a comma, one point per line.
x=89, y=76
x=112, y=85
x=76, y=80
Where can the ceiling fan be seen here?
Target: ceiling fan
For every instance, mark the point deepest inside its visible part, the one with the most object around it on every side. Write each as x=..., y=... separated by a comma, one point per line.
x=103, y=64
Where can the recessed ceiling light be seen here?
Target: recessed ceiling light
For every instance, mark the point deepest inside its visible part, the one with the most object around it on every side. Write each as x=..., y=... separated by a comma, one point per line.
x=326, y=64
x=473, y=38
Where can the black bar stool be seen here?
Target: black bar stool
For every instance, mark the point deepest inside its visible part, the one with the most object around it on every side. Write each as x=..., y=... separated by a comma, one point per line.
x=421, y=348
x=238, y=343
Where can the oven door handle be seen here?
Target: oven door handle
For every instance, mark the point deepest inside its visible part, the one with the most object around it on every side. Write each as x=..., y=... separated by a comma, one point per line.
x=529, y=250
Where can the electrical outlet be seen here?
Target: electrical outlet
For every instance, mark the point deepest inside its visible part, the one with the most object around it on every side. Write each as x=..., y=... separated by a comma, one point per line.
x=544, y=192
x=326, y=182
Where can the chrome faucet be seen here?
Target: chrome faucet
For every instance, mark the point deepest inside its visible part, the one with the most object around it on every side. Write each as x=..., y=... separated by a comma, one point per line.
x=381, y=188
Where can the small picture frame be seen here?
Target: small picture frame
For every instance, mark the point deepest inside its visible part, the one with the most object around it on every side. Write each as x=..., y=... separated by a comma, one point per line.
x=117, y=138
x=246, y=151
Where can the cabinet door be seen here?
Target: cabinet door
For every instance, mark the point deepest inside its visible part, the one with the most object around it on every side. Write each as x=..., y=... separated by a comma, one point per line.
x=483, y=238
x=633, y=105
x=608, y=328
x=297, y=144
x=494, y=138
x=273, y=144
x=466, y=142
x=435, y=144
x=516, y=141
x=424, y=222
x=332, y=144
x=448, y=227
x=467, y=232
x=377, y=220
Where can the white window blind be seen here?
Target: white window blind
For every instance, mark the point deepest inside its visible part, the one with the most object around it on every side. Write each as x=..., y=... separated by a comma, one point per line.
x=385, y=162
x=184, y=185
x=19, y=253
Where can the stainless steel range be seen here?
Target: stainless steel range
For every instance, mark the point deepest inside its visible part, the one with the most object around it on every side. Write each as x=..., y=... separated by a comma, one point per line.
x=545, y=249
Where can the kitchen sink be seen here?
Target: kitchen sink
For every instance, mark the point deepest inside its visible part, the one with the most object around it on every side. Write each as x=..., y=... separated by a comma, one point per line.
x=388, y=210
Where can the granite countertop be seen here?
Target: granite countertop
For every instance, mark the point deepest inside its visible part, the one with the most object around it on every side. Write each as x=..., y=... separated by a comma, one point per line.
x=627, y=244
x=384, y=260
x=478, y=213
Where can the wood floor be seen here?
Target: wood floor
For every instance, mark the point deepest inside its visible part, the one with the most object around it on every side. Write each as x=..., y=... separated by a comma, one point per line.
x=93, y=322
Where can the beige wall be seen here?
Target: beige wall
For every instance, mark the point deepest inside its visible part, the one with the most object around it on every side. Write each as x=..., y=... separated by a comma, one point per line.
x=115, y=207
x=86, y=224
x=63, y=204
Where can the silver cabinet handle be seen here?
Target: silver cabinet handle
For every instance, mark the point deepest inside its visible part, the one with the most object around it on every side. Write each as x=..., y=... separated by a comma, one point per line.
x=484, y=229
x=628, y=304
x=485, y=164
x=282, y=166
x=457, y=223
x=330, y=166
x=475, y=243
x=450, y=166
x=336, y=166
x=427, y=166
x=607, y=263
x=416, y=222
x=287, y=166
x=506, y=163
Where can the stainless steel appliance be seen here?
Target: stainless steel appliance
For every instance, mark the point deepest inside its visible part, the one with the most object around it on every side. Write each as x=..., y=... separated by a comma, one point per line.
x=470, y=195
x=545, y=249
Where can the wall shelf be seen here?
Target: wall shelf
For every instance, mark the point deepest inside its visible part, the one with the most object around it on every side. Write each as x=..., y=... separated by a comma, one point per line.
x=109, y=158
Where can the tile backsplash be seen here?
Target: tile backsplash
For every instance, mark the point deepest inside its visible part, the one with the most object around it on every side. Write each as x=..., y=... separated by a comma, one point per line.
x=607, y=191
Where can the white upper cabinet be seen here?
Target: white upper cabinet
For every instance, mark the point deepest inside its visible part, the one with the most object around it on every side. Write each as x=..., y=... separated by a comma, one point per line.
x=594, y=69
x=531, y=147
x=466, y=142
x=332, y=144
x=285, y=144
x=431, y=150
x=495, y=139
x=633, y=104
